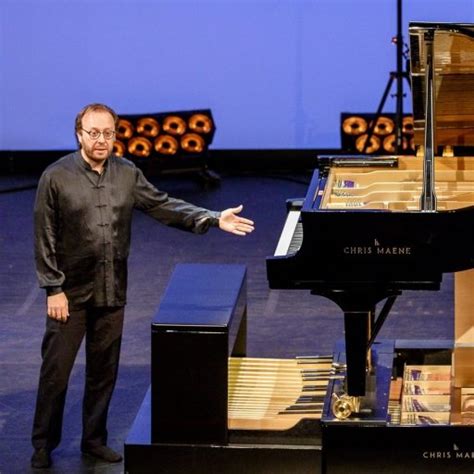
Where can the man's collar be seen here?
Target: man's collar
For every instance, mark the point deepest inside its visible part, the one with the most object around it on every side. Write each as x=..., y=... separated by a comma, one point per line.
x=82, y=162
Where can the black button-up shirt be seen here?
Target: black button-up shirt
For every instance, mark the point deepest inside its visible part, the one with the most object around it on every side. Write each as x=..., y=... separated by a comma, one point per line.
x=83, y=226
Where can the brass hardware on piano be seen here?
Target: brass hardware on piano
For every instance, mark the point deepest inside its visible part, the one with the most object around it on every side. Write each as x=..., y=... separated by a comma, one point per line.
x=343, y=406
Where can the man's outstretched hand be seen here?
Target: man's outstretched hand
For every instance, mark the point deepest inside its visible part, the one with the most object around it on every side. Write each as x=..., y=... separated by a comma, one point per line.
x=231, y=222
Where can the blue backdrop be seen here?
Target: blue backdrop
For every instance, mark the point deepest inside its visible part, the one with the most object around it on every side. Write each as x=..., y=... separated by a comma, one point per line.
x=276, y=73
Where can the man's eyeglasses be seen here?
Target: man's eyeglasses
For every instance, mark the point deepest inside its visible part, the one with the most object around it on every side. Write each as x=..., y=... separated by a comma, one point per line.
x=95, y=134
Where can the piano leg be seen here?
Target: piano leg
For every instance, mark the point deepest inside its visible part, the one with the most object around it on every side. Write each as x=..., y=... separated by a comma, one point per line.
x=357, y=332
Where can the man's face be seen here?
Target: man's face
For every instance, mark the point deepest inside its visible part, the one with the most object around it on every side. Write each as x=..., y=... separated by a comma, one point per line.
x=96, y=150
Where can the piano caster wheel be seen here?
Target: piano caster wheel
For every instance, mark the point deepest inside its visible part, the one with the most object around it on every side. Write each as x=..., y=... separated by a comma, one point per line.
x=343, y=406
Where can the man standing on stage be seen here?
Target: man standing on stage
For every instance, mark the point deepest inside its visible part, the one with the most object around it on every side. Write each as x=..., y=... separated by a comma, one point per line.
x=83, y=215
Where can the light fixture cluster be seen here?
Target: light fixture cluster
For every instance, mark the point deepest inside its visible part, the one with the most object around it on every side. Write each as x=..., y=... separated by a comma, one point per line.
x=360, y=133
x=181, y=134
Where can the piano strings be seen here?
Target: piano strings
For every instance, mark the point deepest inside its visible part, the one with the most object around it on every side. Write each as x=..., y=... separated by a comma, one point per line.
x=275, y=394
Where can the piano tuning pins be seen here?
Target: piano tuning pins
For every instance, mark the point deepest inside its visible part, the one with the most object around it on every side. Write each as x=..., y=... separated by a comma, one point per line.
x=355, y=204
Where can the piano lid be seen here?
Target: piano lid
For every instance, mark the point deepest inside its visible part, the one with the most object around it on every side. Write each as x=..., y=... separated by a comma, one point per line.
x=453, y=51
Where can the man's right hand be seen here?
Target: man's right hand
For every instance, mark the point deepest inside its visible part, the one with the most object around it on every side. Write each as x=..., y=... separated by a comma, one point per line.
x=58, y=307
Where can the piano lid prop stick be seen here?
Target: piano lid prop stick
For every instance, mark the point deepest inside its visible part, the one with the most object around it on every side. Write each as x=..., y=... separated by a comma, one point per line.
x=428, y=197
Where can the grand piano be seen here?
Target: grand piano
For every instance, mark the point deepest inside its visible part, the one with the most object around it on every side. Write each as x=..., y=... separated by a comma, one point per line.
x=370, y=228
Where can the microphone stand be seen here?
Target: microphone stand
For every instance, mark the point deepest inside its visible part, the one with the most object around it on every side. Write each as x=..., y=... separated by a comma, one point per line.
x=397, y=76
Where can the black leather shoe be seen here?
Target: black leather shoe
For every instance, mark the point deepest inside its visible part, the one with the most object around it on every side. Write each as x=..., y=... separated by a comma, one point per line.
x=41, y=459
x=104, y=453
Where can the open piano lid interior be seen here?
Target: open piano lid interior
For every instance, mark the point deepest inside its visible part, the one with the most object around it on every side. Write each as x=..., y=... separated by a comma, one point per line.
x=442, y=72
x=453, y=56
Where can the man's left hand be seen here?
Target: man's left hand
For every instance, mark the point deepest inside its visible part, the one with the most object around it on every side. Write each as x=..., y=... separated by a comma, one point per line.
x=230, y=222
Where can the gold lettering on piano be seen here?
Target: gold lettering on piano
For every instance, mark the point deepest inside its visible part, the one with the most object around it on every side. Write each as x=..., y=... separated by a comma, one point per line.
x=454, y=453
x=377, y=250
x=358, y=250
x=465, y=455
x=393, y=250
x=437, y=454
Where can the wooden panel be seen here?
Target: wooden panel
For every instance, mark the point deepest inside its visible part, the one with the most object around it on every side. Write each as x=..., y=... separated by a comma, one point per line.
x=463, y=358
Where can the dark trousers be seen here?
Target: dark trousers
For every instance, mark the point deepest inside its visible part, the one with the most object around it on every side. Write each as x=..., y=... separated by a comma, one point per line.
x=61, y=342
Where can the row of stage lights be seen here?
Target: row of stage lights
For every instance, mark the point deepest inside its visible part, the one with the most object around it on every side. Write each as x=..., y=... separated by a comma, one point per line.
x=355, y=131
x=164, y=134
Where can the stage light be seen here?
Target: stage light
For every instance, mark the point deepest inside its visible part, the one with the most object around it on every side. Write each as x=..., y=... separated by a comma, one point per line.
x=372, y=147
x=174, y=125
x=166, y=145
x=408, y=125
x=140, y=147
x=192, y=143
x=119, y=148
x=354, y=125
x=148, y=127
x=125, y=129
x=383, y=126
x=357, y=127
x=200, y=123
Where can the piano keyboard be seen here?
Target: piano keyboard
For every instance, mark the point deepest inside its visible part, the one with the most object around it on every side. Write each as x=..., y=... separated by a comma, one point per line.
x=291, y=236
